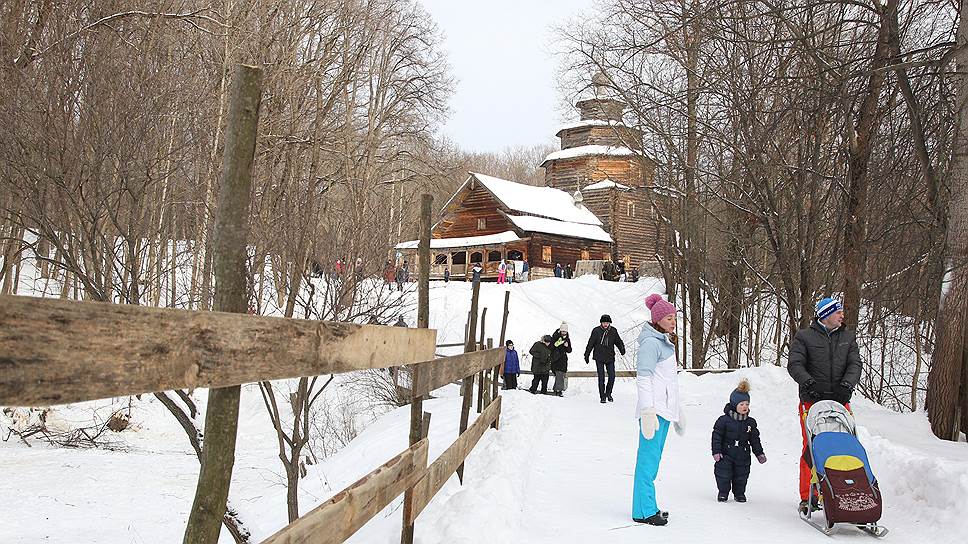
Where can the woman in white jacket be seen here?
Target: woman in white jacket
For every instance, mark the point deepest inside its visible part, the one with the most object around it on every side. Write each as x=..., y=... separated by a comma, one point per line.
x=658, y=406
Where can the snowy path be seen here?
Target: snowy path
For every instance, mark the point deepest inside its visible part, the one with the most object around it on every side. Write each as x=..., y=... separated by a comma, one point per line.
x=580, y=487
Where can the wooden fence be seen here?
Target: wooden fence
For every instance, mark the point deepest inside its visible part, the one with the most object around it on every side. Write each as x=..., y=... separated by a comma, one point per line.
x=55, y=351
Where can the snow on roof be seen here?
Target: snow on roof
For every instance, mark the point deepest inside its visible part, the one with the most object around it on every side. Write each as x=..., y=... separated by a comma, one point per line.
x=585, y=150
x=591, y=123
x=562, y=228
x=441, y=243
x=606, y=184
x=543, y=201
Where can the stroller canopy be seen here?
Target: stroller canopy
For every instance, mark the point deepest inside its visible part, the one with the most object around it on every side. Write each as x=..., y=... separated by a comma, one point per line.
x=829, y=416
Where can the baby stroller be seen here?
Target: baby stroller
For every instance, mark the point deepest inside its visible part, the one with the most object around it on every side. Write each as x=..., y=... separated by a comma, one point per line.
x=842, y=478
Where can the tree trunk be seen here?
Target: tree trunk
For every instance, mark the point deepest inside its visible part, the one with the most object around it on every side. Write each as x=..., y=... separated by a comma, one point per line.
x=859, y=155
x=222, y=413
x=945, y=400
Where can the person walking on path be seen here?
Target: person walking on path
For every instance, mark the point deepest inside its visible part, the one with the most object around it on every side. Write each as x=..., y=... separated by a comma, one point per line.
x=560, y=348
x=735, y=438
x=657, y=384
x=525, y=268
x=447, y=275
x=540, y=364
x=502, y=271
x=476, y=273
x=825, y=362
x=512, y=366
x=559, y=272
x=601, y=346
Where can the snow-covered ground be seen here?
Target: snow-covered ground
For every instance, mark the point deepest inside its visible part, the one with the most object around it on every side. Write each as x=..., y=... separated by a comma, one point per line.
x=558, y=470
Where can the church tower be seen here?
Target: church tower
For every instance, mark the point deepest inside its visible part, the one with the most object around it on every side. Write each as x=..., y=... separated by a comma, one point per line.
x=602, y=158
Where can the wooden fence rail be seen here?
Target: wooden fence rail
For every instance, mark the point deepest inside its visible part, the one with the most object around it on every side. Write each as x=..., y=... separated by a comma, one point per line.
x=338, y=518
x=56, y=351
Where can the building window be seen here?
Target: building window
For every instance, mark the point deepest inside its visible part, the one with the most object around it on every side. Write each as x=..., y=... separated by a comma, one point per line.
x=630, y=208
x=584, y=254
x=440, y=259
x=482, y=223
x=546, y=254
x=477, y=257
x=493, y=256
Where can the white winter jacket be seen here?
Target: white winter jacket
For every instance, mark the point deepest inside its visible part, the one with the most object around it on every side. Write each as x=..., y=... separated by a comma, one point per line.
x=657, y=378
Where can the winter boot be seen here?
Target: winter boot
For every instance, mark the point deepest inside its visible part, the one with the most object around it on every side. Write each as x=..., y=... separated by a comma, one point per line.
x=610, y=399
x=740, y=498
x=655, y=519
x=722, y=497
x=603, y=401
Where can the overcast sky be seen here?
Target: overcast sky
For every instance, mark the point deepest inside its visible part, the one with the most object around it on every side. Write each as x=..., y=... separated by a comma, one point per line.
x=500, y=53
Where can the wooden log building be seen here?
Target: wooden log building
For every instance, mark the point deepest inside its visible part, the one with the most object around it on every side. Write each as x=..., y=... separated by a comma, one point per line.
x=597, y=205
x=490, y=219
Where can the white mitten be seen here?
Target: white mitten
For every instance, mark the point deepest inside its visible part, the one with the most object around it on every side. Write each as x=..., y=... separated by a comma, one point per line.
x=680, y=425
x=649, y=421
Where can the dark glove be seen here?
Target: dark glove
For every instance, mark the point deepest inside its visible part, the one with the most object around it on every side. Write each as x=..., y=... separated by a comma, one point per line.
x=811, y=390
x=586, y=359
x=843, y=392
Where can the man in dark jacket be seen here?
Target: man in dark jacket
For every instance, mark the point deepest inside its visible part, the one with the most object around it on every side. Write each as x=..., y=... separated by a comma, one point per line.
x=602, y=341
x=825, y=362
x=540, y=364
x=560, y=348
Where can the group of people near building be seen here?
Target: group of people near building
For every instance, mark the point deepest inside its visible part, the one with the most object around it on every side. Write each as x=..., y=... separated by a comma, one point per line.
x=824, y=360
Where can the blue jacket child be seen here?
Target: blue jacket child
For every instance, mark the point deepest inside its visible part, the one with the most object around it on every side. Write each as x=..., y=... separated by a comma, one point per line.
x=735, y=437
x=512, y=367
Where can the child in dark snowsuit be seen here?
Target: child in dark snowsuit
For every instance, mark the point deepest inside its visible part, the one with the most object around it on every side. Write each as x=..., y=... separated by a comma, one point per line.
x=512, y=367
x=734, y=436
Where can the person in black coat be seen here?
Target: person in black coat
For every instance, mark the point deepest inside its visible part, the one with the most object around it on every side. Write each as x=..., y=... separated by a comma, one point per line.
x=601, y=346
x=735, y=437
x=540, y=364
x=825, y=362
x=560, y=348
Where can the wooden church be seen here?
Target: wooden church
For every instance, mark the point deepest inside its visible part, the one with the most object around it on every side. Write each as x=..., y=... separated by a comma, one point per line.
x=596, y=205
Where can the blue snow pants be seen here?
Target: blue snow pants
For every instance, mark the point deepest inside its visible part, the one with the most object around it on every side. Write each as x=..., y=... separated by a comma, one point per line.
x=646, y=469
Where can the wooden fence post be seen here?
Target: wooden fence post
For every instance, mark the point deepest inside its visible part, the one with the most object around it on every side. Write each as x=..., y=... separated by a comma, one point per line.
x=499, y=369
x=419, y=420
x=482, y=375
x=467, y=384
x=231, y=229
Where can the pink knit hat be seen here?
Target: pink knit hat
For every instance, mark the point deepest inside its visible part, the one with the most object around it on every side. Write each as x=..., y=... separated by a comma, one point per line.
x=660, y=307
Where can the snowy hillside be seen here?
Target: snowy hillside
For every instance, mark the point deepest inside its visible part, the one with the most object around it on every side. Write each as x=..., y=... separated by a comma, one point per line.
x=559, y=470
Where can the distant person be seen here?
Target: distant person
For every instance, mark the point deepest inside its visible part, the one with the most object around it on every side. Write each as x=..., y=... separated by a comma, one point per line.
x=540, y=364
x=525, y=269
x=401, y=274
x=476, y=272
x=736, y=439
x=569, y=273
x=400, y=322
x=560, y=348
x=510, y=271
x=406, y=272
x=389, y=272
x=825, y=362
x=502, y=271
x=558, y=271
x=512, y=366
x=446, y=275
x=601, y=346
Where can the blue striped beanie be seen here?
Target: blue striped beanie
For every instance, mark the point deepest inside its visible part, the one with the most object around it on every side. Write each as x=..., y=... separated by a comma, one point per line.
x=827, y=307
